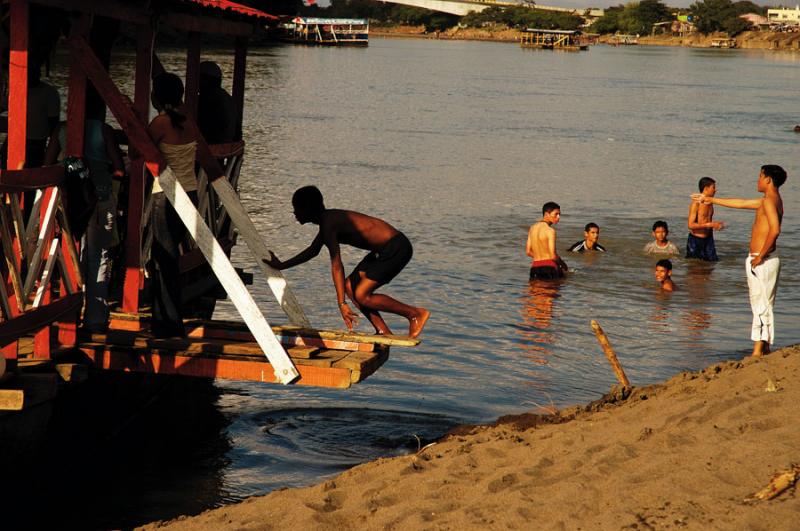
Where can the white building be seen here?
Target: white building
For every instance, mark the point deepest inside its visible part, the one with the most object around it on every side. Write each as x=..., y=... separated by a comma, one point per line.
x=784, y=16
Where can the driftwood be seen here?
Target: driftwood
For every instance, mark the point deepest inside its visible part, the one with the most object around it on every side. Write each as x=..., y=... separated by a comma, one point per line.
x=779, y=483
x=609, y=352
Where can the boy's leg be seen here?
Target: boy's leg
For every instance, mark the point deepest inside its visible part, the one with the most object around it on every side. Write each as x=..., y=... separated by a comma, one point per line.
x=365, y=297
x=374, y=317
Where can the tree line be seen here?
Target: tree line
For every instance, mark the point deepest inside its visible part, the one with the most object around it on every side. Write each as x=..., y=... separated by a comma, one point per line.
x=635, y=17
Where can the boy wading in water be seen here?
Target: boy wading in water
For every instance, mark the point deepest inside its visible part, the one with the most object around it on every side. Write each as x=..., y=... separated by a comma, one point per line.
x=389, y=252
x=762, y=265
x=541, y=245
x=700, y=243
x=663, y=273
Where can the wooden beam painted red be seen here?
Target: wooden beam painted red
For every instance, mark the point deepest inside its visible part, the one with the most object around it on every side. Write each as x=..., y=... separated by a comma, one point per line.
x=33, y=320
x=31, y=178
x=141, y=106
x=76, y=96
x=18, y=83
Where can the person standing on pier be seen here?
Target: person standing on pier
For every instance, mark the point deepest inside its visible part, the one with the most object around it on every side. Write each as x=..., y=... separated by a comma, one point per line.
x=541, y=245
x=389, y=252
x=762, y=265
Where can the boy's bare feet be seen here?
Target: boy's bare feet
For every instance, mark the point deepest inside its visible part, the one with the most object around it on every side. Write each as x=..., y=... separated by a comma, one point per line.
x=760, y=348
x=416, y=324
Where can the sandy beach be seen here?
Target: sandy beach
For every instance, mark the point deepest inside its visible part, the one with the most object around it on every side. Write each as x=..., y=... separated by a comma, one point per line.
x=686, y=454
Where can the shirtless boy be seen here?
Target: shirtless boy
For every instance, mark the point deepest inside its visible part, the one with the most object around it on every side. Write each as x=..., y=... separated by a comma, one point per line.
x=389, y=252
x=700, y=243
x=762, y=265
x=663, y=274
x=541, y=245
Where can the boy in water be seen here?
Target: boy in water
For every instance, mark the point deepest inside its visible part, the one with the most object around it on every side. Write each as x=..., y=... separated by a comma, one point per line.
x=591, y=233
x=664, y=274
x=762, y=265
x=389, y=252
x=700, y=243
x=541, y=245
x=661, y=245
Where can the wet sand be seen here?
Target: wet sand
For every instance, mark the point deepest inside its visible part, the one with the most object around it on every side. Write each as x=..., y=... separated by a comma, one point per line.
x=684, y=454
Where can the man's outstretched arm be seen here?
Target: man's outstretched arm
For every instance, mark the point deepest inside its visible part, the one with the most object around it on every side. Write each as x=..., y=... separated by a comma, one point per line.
x=750, y=204
x=300, y=258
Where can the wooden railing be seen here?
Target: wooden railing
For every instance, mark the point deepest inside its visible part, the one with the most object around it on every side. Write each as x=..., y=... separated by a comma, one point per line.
x=41, y=282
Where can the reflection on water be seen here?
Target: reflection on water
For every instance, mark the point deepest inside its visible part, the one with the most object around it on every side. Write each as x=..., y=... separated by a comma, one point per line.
x=537, y=313
x=697, y=314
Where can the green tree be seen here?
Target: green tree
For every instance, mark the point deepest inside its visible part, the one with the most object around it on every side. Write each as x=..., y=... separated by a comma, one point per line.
x=609, y=22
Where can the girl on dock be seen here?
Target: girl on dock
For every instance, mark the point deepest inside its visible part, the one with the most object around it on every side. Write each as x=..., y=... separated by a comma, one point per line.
x=178, y=144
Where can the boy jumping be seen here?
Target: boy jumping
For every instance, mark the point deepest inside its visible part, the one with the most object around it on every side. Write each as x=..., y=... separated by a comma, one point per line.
x=389, y=252
x=762, y=265
x=700, y=243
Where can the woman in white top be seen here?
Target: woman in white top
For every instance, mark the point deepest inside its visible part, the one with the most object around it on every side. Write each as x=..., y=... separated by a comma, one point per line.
x=178, y=144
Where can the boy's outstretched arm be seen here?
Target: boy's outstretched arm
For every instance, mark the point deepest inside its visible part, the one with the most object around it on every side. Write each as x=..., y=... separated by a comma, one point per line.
x=750, y=204
x=300, y=258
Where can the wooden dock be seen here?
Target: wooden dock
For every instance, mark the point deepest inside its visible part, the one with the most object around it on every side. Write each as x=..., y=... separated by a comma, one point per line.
x=227, y=350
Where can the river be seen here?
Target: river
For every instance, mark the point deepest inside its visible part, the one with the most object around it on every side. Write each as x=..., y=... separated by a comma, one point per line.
x=459, y=144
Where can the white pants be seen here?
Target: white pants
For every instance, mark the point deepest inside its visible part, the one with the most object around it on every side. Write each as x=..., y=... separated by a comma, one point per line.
x=762, y=283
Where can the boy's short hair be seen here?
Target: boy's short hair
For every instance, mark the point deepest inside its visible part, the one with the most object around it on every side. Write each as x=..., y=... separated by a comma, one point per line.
x=705, y=181
x=776, y=173
x=662, y=224
x=549, y=207
x=308, y=198
x=665, y=263
x=590, y=226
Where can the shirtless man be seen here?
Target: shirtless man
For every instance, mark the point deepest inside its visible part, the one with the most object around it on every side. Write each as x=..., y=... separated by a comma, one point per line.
x=762, y=265
x=700, y=243
x=541, y=245
x=663, y=273
x=389, y=252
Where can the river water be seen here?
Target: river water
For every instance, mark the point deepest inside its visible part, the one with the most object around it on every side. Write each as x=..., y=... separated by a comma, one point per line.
x=459, y=144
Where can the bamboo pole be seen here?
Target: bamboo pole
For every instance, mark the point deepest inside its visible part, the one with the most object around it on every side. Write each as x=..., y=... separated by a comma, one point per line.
x=609, y=352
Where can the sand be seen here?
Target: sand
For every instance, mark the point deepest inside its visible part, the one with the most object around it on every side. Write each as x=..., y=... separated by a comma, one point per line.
x=682, y=455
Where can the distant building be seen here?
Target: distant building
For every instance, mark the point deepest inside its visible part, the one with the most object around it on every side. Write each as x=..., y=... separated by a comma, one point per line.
x=784, y=15
x=755, y=19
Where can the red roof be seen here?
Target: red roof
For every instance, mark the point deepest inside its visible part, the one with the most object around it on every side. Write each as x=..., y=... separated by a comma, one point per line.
x=225, y=5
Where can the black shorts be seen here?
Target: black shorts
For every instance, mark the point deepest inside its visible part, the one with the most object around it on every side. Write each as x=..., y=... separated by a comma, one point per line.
x=385, y=263
x=546, y=273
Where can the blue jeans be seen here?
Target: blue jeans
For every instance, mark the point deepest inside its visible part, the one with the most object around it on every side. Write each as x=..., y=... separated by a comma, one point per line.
x=97, y=263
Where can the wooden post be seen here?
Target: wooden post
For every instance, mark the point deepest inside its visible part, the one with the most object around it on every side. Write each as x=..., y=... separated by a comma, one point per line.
x=141, y=106
x=192, y=74
x=76, y=97
x=17, y=121
x=609, y=352
x=239, y=66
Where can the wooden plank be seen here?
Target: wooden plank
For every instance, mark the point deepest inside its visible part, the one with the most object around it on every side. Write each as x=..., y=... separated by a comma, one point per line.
x=72, y=372
x=76, y=95
x=33, y=320
x=31, y=178
x=12, y=399
x=18, y=83
x=45, y=233
x=44, y=283
x=234, y=287
x=259, y=371
x=16, y=303
x=388, y=340
x=371, y=366
x=238, y=332
x=253, y=238
x=324, y=359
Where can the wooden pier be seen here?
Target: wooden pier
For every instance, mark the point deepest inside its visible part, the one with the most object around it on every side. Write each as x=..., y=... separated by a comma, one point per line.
x=571, y=41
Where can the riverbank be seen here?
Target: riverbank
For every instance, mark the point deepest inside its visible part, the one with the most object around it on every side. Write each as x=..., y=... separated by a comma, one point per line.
x=684, y=454
x=760, y=40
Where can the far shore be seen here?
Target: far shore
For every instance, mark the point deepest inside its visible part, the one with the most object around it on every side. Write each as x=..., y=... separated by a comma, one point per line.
x=688, y=453
x=759, y=40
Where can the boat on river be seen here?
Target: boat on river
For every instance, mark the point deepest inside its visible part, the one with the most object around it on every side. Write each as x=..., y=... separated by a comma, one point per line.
x=543, y=39
x=325, y=31
x=44, y=351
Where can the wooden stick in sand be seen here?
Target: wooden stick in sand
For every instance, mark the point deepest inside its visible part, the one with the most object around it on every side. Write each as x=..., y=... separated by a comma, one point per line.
x=609, y=352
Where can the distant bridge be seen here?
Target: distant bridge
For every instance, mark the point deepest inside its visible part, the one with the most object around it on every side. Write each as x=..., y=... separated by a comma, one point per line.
x=463, y=7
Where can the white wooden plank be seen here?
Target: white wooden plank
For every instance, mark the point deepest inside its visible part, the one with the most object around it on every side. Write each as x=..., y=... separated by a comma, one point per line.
x=227, y=195
x=8, y=254
x=70, y=243
x=44, y=232
x=33, y=224
x=285, y=371
x=6, y=307
x=48, y=271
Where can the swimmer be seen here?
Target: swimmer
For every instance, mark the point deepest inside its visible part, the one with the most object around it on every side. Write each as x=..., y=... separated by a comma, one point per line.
x=661, y=245
x=700, y=243
x=591, y=233
x=541, y=245
x=664, y=275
